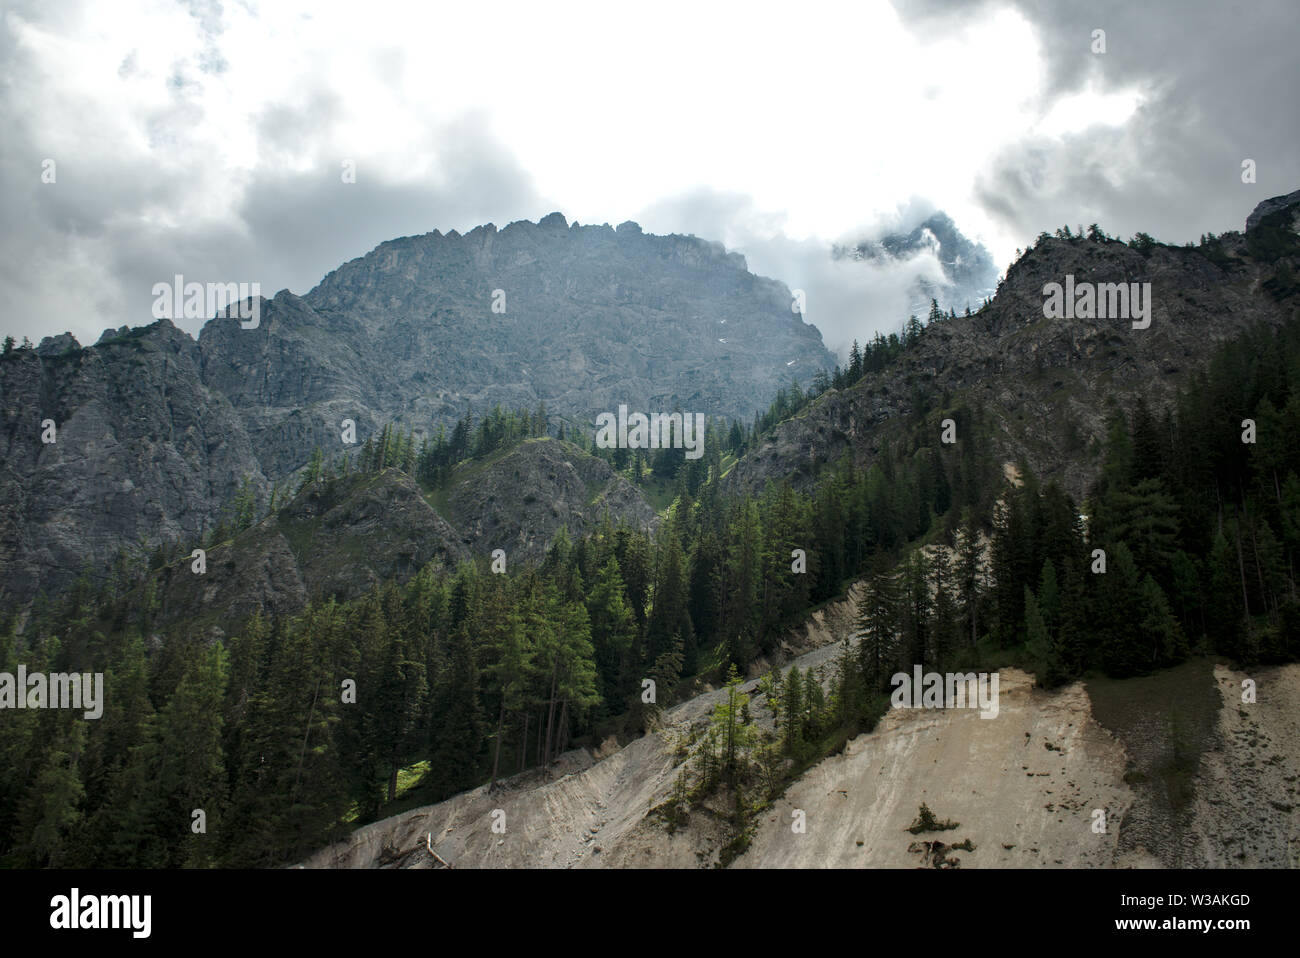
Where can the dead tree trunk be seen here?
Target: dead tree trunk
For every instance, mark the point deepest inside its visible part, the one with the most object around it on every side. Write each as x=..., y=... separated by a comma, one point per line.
x=523, y=744
x=550, y=715
x=496, y=757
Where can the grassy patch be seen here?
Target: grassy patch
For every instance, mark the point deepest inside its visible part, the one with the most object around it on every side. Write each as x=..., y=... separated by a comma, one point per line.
x=408, y=796
x=409, y=777
x=437, y=498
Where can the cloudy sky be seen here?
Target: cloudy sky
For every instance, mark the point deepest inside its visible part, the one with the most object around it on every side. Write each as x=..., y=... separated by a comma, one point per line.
x=209, y=138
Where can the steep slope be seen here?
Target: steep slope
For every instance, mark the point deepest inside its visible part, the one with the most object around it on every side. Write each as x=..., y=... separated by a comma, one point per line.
x=339, y=539
x=587, y=809
x=521, y=498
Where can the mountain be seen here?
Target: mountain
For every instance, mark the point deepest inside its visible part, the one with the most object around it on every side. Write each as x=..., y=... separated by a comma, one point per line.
x=155, y=434
x=1158, y=750
x=143, y=452
x=1049, y=383
x=580, y=318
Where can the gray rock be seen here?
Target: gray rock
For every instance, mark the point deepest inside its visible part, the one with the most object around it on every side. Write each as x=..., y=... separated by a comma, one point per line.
x=54, y=345
x=1271, y=205
x=144, y=452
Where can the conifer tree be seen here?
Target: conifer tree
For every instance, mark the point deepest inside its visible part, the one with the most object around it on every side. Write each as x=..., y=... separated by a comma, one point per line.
x=735, y=736
x=792, y=703
x=877, y=625
x=50, y=815
x=192, y=774
x=613, y=632
x=512, y=671
x=1118, y=607
x=457, y=741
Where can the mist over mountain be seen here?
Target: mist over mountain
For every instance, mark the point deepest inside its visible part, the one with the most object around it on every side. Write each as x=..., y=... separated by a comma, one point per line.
x=967, y=274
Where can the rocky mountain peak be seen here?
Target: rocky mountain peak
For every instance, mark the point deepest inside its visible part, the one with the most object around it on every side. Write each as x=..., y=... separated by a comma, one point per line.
x=553, y=221
x=53, y=345
x=1271, y=205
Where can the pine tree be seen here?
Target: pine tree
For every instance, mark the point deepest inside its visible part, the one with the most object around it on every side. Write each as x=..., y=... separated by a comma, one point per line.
x=314, y=474
x=192, y=774
x=1159, y=629
x=456, y=744
x=734, y=735
x=399, y=695
x=1073, y=650
x=1049, y=597
x=513, y=669
x=915, y=610
x=1119, y=606
x=945, y=629
x=792, y=703
x=50, y=815
x=669, y=615
x=877, y=625
x=1224, y=608
x=814, y=706
x=613, y=632
x=1039, y=643
x=968, y=573
x=850, y=697
x=665, y=673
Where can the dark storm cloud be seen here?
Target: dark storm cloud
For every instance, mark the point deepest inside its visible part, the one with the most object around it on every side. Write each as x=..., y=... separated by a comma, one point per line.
x=291, y=227
x=1219, y=84
x=83, y=253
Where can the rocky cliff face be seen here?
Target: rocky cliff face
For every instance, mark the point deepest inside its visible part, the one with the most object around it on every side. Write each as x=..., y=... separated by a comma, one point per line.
x=518, y=502
x=142, y=452
x=1047, y=382
x=339, y=539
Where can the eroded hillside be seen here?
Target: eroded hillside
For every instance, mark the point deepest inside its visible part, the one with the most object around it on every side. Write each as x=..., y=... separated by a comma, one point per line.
x=1024, y=789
